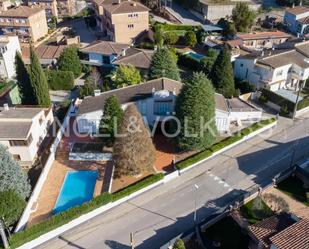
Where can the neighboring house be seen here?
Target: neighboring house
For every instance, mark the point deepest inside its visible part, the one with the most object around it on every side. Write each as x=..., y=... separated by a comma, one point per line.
x=214, y=10
x=28, y=23
x=47, y=54
x=122, y=21
x=260, y=40
x=102, y=53
x=9, y=46
x=275, y=69
x=297, y=20
x=5, y=5
x=22, y=130
x=155, y=100
x=50, y=7
x=67, y=7
x=279, y=232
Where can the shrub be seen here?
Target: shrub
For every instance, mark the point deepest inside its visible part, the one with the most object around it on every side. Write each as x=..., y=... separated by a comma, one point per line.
x=263, y=99
x=60, y=80
x=190, y=39
x=170, y=38
x=193, y=159
x=137, y=186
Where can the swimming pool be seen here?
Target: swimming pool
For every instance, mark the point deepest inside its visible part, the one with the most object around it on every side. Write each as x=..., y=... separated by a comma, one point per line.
x=77, y=188
x=195, y=55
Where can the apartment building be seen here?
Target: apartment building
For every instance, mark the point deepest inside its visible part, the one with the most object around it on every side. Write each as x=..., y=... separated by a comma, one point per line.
x=122, y=21
x=275, y=69
x=22, y=130
x=297, y=20
x=28, y=23
x=9, y=46
x=50, y=7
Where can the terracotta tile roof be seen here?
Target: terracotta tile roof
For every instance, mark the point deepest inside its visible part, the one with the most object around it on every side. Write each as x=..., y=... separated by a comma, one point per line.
x=21, y=11
x=129, y=94
x=120, y=6
x=105, y=48
x=49, y=52
x=264, y=35
x=234, y=43
x=268, y=227
x=139, y=58
x=298, y=10
x=295, y=236
x=304, y=20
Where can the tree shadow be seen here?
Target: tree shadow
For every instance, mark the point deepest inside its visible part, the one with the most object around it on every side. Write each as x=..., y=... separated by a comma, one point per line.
x=116, y=245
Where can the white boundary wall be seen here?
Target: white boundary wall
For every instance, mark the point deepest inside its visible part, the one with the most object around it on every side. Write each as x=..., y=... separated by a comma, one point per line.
x=85, y=217
x=37, y=189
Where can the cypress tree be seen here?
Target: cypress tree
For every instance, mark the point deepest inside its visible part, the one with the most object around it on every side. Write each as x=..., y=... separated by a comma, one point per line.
x=164, y=65
x=222, y=74
x=69, y=61
x=26, y=91
x=38, y=80
x=134, y=152
x=195, y=109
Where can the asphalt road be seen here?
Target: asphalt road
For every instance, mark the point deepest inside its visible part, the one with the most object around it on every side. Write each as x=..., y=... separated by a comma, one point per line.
x=161, y=214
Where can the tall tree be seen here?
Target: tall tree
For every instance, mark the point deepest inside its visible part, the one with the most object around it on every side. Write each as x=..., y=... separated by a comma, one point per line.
x=222, y=75
x=112, y=115
x=126, y=75
x=195, y=109
x=243, y=17
x=26, y=91
x=207, y=63
x=190, y=38
x=69, y=61
x=134, y=152
x=38, y=80
x=11, y=175
x=11, y=206
x=164, y=65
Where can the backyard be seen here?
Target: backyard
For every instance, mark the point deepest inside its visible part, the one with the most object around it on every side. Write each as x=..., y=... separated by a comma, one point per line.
x=226, y=234
x=293, y=187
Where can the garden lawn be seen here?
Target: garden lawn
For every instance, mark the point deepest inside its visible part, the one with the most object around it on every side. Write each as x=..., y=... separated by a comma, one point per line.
x=255, y=211
x=293, y=187
x=228, y=233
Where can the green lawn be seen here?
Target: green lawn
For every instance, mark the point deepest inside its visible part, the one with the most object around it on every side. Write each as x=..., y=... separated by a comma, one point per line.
x=228, y=234
x=255, y=211
x=293, y=187
x=177, y=32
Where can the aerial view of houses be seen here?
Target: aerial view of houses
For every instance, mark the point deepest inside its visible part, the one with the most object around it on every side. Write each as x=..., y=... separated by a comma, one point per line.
x=154, y=124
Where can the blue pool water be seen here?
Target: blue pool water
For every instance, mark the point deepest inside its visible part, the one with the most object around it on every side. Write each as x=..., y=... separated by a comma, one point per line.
x=196, y=55
x=77, y=188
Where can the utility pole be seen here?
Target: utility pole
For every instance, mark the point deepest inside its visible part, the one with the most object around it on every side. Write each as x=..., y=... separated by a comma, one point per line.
x=297, y=98
x=195, y=203
x=3, y=235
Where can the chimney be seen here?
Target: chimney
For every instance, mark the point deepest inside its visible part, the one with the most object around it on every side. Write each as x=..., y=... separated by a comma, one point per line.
x=97, y=92
x=293, y=6
x=6, y=107
x=155, y=48
x=123, y=52
x=153, y=90
x=262, y=54
x=301, y=3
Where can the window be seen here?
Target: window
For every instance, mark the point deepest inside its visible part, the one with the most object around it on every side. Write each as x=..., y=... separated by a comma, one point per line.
x=279, y=73
x=16, y=157
x=130, y=15
x=242, y=64
x=162, y=108
x=27, y=142
x=131, y=26
x=135, y=15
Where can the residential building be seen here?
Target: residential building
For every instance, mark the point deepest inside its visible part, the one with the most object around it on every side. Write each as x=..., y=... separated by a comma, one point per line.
x=108, y=54
x=261, y=40
x=276, y=68
x=28, y=23
x=5, y=5
x=50, y=7
x=155, y=100
x=47, y=54
x=22, y=130
x=122, y=21
x=66, y=8
x=297, y=20
x=9, y=46
x=214, y=10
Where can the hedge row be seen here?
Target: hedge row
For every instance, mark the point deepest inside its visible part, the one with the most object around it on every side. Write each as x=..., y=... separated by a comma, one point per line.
x=60, y=80
x=218, y=146
x=62, y=218
x=171, y=27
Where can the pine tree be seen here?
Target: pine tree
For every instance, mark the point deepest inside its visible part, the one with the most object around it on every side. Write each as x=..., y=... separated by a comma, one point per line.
x=26, y=91
x=164, y=65
x=111, y=118
x=222, y=74
x=69, y=61
x=195, y=109
x=38, y=80
x=134, y=152
x=243, y=17
x=11, y=175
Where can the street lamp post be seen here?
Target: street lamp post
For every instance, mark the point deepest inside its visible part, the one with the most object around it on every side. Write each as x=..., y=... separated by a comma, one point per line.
x=195, y=203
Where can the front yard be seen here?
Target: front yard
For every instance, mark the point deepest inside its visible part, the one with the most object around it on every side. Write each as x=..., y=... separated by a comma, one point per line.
x=293, y=187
